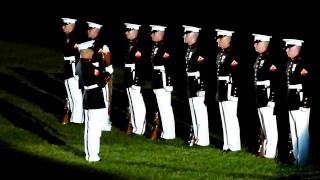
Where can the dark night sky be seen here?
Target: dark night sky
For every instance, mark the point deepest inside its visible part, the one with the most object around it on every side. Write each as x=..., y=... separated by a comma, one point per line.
x=36, y=19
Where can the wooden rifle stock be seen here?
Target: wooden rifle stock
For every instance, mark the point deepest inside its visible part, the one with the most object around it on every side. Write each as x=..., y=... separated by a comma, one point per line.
x=192, y=140
x=110, y=95
x=156, y=127
x=261, y=150
x=66, y=113
x=129, y=128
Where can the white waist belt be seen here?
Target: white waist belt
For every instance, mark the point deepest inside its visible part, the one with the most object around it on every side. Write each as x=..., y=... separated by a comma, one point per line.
x=265, y=83
x=195, y=74
x=224, y=78
x=70, y=58
x=132, y=66
x=161, y=68
x=91, y=86
x=296, y=86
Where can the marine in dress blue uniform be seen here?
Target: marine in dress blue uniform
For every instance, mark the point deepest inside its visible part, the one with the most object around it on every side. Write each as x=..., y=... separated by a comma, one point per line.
x=195, y=64
x=160, y=61
x=265, y=72
x=94, y=104
x=71, y=58
x=132, y=68
x=228, y=90
x=298, y=100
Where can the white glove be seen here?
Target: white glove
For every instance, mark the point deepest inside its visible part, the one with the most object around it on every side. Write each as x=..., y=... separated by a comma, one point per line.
x=136, y=88
x=232, y=98
x=76, y=77
x=303, y=109
x=271, y=104
x=105, y=49
x=109, y=69
x=201, y=93
x=169, y=88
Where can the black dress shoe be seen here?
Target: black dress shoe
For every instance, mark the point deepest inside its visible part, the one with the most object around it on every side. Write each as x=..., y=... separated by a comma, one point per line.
x=226, y=151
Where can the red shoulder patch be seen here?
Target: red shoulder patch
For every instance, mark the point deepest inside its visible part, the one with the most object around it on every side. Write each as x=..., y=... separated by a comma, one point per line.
x=304, y=72
x=200, y=59
x=137, y=55
x=166, y=55
x=273, y=68
x=234, y=63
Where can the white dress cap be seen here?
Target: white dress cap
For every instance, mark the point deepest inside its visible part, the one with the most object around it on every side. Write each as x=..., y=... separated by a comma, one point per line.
x=295, y=42
x=157, y=28
x=132, y=26
x=221, y=32
x=68, y=20
x=260, y=37
x=191, y=28
x=85, y=45
x=94, y=25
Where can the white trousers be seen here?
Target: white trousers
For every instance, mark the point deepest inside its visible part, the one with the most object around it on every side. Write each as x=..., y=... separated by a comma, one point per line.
x=299, y=127
x=166, y=113
x=230, y=125
x=268, y=123
x=92, y=132
x=199, y=115
x=106, y=124
x=75, y=100
x=137, y=110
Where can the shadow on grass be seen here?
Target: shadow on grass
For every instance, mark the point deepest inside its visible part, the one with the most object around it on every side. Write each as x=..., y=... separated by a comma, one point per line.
x=47, y=102
x=43, y=81
x=19, y=164
x=24, y=120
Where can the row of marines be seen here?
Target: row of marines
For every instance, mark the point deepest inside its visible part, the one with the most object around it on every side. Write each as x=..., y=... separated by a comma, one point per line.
x=89, y=87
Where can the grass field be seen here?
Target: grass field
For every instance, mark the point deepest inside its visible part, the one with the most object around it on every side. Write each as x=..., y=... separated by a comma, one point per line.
x=34, y=143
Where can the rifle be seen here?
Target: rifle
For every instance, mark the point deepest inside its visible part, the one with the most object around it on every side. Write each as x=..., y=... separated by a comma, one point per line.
x=156, y=127
x=66, y=113
x=110, y=84
x=107, y=60
x=192, y=139
x=130, y=128
x=291, y=158
x=261, y=142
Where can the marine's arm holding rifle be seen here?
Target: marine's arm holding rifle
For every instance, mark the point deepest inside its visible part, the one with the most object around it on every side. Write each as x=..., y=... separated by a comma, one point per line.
x=106, y=54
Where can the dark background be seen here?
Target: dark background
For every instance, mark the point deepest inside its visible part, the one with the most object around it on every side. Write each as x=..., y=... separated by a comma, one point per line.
x=36, y=21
